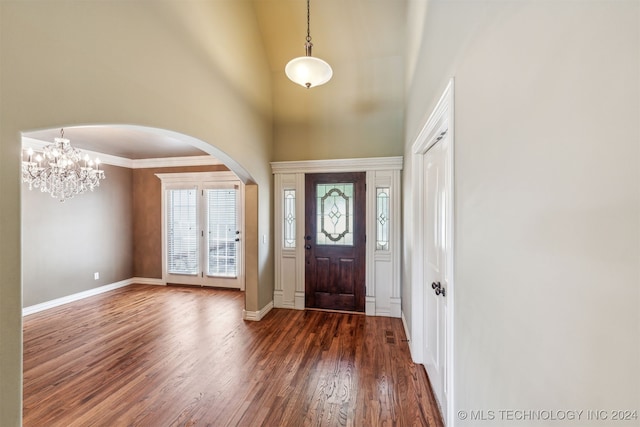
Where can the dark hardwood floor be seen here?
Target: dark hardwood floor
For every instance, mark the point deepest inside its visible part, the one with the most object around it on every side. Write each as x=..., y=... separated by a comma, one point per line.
x=170, y=356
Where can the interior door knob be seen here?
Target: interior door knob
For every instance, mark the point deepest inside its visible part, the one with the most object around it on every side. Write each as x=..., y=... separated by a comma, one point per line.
x=307, y=247
x=437, y=287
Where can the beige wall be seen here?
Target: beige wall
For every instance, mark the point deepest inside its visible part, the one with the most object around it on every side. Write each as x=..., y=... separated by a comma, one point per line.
x=195, y=68
x=64, y=243
x=357, y=114
x=371, y=134
x=547, y=199
x=147, y=218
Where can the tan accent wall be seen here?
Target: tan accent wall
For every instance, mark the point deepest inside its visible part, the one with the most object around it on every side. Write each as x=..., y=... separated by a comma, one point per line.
x=147, y=218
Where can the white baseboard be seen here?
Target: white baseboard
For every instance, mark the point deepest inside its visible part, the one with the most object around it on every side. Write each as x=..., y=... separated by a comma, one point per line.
x=278, y=298
x=406, y=332
x=396, y=307
x=257, y=315
x=299, y=301
x=147, y=281
x=74, y=297
x=370, y=306
x=88, y=293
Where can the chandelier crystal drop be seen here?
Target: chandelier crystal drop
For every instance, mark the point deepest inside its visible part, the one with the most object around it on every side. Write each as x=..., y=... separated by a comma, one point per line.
x=60, y=170
x=306, y=70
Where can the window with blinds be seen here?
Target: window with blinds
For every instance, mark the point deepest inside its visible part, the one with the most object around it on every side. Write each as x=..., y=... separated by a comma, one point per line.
x=222, y=232
x=182, y=231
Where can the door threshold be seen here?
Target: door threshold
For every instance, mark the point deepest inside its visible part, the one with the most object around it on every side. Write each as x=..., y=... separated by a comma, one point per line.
x=326, y=310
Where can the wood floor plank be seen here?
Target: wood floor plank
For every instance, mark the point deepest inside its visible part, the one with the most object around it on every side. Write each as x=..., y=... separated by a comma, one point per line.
x=169, y=356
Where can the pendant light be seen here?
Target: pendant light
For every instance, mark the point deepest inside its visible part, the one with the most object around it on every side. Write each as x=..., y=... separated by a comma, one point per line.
x=306, y=70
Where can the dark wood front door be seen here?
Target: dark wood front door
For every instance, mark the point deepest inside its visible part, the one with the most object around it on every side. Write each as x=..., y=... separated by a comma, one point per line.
x=335, y=241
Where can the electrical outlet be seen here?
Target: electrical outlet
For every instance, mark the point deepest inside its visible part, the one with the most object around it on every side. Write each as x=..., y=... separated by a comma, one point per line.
x=96, y=275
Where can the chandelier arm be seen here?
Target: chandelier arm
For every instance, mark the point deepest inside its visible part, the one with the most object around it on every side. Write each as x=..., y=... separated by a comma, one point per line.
x=37, y=175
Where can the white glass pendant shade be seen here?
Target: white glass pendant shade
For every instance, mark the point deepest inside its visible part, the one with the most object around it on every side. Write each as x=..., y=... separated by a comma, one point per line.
x=308, y=71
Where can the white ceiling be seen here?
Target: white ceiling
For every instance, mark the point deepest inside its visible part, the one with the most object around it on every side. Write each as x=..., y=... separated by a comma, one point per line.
x=363, y=41
x=122, y=141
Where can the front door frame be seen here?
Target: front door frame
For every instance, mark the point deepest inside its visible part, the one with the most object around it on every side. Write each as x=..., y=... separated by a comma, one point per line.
x=383, y=267
x=439, y=125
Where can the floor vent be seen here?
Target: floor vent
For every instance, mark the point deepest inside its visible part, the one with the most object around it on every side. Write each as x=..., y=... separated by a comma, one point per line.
x=390, y=337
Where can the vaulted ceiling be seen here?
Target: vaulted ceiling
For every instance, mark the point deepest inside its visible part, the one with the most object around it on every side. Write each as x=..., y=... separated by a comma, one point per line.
x=363, y=41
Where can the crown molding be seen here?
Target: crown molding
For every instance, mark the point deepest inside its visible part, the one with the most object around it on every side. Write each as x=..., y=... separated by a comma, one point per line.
x=338, y=165
x=109, y=159
x=205, y=160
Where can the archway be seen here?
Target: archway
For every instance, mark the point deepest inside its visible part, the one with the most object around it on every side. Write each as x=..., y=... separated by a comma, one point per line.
x=250, y=246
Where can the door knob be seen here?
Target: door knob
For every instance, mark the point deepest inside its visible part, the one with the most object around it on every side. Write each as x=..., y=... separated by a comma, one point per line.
x=307, y=247
x=437, y=287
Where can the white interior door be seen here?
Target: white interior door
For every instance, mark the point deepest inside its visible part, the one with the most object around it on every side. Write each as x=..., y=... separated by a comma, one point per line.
x=437, y=229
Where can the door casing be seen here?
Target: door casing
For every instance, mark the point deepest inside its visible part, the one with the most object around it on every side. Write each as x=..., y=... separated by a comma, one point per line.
x=439, y=125
x=383, y=267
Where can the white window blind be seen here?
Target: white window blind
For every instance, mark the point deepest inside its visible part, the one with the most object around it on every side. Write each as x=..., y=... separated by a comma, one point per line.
x=182, y=231
x=222, y=232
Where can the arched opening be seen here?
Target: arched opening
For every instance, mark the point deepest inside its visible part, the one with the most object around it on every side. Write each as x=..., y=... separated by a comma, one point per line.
x=131, y=150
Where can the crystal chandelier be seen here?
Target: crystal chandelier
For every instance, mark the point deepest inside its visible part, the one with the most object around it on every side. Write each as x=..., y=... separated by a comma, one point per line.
x=60, y=170
x=306, y=70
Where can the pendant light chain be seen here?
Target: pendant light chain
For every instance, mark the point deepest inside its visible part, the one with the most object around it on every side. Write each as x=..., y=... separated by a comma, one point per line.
x=308, y=20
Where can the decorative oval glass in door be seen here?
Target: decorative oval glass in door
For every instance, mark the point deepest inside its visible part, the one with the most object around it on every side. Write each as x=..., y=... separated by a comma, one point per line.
x=334, y=214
